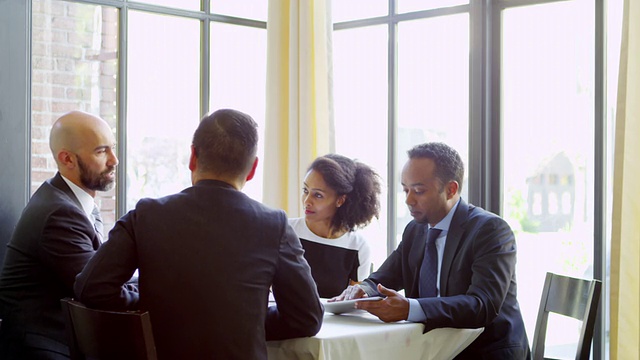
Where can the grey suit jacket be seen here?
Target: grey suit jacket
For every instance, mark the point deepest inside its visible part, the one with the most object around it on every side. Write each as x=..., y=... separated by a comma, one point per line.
x=477, y=282
x=51, y=243
x=207, y=257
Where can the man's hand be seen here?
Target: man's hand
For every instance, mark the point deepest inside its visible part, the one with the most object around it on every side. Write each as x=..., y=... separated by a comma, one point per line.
x=351, y=292
x=394, y=307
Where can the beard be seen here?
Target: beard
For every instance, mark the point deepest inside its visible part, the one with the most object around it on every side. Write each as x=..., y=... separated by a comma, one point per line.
x=95, y=181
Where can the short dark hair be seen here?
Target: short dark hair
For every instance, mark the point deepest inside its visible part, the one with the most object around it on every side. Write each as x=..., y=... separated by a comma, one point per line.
x=449, y=165
x=358, y=181
x=226, y=142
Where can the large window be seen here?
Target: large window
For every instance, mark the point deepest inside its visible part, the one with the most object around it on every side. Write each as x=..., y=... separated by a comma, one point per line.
x=162, y=103
x=515, y=86
x=151, y=72
x=432, y=92
x=548, y=94
x=360, y=92
x=238, y=78
x=524, y=104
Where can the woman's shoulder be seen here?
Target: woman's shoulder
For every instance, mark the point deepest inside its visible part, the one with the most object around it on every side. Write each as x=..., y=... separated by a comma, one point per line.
x=297, y=223
x=354, y=240
x=300, y=227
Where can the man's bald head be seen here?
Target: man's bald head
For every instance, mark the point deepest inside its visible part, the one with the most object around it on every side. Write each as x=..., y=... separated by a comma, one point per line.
x=83, y=146
x=72, y=130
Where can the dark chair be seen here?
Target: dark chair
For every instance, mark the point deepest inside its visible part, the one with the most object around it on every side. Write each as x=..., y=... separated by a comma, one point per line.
x=98, y=334
x=576, y=298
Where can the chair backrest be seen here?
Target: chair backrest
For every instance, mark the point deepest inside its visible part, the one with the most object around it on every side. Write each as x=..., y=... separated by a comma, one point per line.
x=576, y=298
x=99, y=334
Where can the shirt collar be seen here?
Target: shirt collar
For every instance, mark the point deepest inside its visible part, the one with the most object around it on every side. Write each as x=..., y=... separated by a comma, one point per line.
x=85, y=199
x=446, y=221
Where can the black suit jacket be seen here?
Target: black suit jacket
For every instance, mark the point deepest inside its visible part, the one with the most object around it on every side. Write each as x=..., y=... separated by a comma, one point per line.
x=207, y=257
x=51, y=243
x=477, y=282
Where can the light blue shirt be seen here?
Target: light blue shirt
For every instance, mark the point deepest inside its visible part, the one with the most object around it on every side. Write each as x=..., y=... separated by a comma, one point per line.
x=416, y=314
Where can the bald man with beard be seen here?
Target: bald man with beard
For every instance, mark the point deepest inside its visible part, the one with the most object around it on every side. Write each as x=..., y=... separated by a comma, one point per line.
x=54, y=239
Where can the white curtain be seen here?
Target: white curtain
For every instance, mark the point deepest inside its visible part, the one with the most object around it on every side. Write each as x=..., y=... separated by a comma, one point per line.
x=625, y=235
x=299, y=111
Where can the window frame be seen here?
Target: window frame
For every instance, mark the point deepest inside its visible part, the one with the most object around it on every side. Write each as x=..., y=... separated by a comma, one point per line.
x=484, y=105
x=205, y=17
x=485, y=165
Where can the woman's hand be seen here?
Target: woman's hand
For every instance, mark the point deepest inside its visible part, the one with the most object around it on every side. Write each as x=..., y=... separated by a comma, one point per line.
x=351, y=292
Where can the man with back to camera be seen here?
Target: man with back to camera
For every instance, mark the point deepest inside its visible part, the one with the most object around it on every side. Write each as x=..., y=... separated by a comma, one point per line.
x=207, y=257
x=55, y=237
x=473, y=253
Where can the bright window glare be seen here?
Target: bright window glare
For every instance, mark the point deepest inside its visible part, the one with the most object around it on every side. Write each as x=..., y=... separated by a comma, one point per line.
x=179, y=4
x=417, y=5
x=251, y=9
x=433, y=91
x=238, y=77
x=163, y=106
x=360, y=103
x=345, y=10
x=548, y=135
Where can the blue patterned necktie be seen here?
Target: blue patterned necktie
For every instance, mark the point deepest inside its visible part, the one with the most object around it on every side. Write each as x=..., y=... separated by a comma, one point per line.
x=429, y=267
x=97, y=223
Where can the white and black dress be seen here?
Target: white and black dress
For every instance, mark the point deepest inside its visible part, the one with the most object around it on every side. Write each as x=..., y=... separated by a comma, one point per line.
x=334, y=262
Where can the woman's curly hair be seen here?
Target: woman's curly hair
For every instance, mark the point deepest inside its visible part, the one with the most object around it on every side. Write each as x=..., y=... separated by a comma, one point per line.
x=359, y=182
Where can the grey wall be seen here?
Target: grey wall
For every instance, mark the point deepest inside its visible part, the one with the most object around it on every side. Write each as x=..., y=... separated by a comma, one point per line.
x=15, y=27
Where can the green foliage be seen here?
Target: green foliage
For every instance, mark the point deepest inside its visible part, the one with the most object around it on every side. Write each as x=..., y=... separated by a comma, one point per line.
x=518, y=207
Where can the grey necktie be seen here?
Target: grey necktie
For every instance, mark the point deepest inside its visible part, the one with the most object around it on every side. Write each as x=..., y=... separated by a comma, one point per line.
x=429, y=267
x=97, y=222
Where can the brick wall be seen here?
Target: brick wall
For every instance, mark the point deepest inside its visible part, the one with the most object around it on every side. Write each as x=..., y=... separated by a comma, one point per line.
x=74, y=67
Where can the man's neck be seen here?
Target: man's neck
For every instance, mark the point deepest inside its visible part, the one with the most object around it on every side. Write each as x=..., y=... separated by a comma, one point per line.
x=237, y=183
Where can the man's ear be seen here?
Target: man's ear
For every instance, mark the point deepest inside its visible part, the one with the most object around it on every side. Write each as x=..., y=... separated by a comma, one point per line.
x=452, y=189
x=253, y=169
x=66, y=158
x=193, y=159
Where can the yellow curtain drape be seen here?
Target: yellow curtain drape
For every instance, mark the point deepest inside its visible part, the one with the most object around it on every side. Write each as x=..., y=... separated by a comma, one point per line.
x=625, y=234
x=299, y=115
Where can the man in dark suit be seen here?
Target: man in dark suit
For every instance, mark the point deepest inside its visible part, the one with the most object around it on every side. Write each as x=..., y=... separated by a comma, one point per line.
x=208, y=256
x=474, y=260
x=54, y=239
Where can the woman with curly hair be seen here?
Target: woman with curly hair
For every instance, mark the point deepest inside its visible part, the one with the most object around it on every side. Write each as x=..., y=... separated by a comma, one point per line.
x=339, y=196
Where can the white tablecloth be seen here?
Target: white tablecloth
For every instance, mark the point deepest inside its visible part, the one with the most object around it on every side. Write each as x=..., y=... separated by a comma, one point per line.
x=360, y=335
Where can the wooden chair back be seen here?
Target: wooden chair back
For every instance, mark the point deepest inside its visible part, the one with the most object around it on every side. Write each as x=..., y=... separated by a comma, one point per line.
x=576, y=298
x=99, y=334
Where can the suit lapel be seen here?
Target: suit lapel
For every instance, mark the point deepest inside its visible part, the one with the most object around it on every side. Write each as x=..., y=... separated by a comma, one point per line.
x=59, y=183
x=454, y=236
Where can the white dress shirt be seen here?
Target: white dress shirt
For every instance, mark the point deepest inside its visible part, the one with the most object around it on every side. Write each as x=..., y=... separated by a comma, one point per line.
x=85, y=199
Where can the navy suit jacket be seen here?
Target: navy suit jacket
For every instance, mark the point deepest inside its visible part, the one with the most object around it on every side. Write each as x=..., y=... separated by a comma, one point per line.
x=477, y=282
x=51, y=243
x=207, y=257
